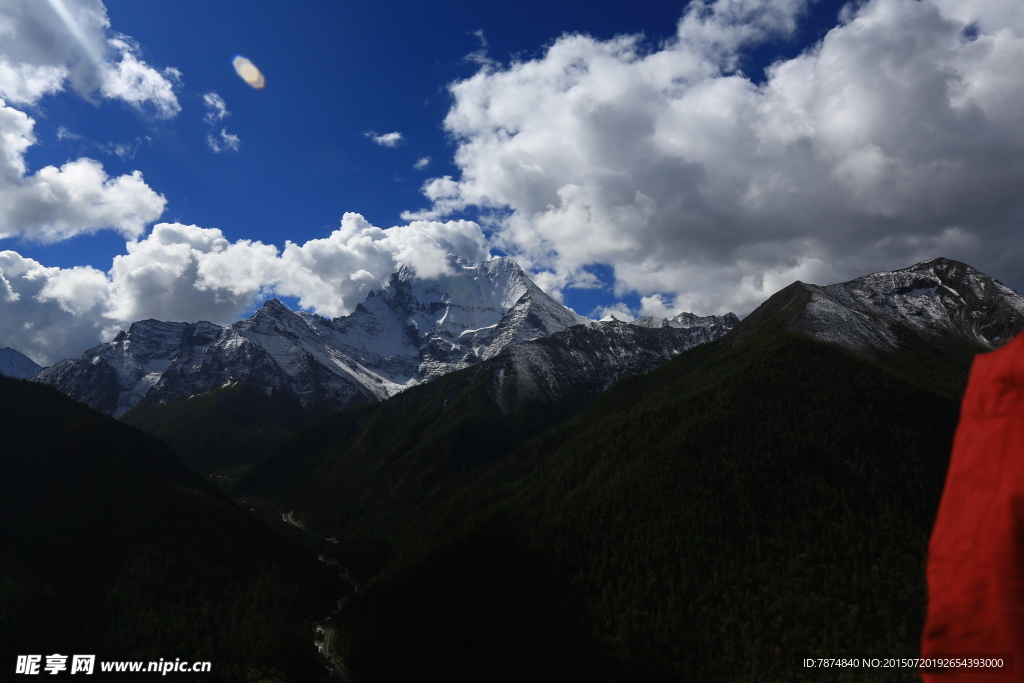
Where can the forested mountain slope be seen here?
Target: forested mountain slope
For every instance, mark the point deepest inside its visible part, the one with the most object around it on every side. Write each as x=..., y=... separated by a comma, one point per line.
x=110, y=545
x=748, y=503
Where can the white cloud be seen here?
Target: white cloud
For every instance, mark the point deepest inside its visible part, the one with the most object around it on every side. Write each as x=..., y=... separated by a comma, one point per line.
x=45, y=316
x=223, y=141
x=43, y=45
x=421, y=163
x=896, y=138
x=480, y=55
x=26, y=83
x=333, y=274
x=387, y=139
x=189, y=273
x=64, y=133
x=137, y=83
x=656, y=306
x=160, y=278
x=618, y=311
x=216, y=108
x=123, y=150
x=57, y=203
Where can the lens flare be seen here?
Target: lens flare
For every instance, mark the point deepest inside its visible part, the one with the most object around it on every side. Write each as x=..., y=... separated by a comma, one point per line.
x=89, y=48
x=248, y=71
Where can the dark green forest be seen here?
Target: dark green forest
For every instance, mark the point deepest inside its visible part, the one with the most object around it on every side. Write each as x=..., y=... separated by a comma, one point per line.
x=751, y=503
x=110, y=545
x=224, y=430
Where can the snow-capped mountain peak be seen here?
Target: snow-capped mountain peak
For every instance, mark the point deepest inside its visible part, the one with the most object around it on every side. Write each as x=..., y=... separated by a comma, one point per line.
x=410, y=330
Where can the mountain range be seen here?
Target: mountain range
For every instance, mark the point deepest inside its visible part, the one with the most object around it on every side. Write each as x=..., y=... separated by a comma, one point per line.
x=414, y=330
x=411, y=331
x=221, y=396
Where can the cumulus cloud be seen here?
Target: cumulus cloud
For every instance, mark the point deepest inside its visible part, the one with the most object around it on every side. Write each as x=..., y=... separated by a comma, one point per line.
x=186, y=272
x=57, y=203
x=334, y=274
x=894, y=139
x=387, y=139
x=44, y=45
x=43, y=314
x=421, y=163
x=135, y=82
x=655, y=305
x=26, y=83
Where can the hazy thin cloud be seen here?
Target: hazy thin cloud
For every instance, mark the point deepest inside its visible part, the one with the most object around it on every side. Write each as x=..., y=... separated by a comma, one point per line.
x=481, y=55
x=223, y=141
x=216, y=111
x=216, y=108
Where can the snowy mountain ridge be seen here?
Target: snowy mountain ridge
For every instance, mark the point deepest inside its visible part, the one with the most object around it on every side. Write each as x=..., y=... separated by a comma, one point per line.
x=574, y=365
x=412, y=330
x=935, y=298
x=686, y=321
x=16, y=364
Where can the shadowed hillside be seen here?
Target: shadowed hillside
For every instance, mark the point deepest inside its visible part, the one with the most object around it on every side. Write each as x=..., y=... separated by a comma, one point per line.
x=110, y=545
x=716, y=519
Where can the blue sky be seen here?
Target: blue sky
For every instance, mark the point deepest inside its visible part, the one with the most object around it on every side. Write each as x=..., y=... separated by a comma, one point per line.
x=335, y=71
x=650, y=174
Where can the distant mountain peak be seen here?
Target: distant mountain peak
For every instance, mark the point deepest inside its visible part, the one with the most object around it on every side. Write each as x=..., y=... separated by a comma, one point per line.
x=934, y=298
x=689, y=320
x=16, y=364
x=275, y=305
